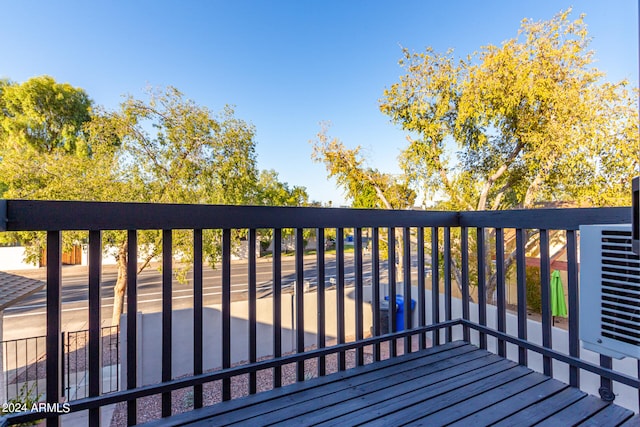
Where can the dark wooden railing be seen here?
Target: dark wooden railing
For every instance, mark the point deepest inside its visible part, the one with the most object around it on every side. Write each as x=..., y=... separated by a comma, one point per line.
x=460, y=244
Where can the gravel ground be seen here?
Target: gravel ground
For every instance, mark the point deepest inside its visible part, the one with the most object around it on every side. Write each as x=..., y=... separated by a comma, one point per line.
x=182, y=400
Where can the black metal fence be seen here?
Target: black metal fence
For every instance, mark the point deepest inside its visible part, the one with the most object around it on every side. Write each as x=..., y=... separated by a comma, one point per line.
x=24, y=361
x=459, y=248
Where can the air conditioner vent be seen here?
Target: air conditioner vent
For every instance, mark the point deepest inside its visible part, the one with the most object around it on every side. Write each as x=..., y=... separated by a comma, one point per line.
x=609, y=286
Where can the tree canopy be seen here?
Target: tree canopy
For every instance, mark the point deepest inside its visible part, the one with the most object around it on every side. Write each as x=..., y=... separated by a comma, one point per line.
x=163, y=149
x=533, y=122
x=43, y=115
x=530, y=123
x=365, y=186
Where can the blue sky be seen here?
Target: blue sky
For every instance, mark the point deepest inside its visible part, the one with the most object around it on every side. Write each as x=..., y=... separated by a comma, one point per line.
x=286, y=66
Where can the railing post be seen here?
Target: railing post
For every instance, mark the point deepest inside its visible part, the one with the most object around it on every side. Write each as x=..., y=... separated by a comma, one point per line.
x=574, y=306
x=482, y=288
x=359, y=300
x=342, y=363
x=3, y=215
x=54, y=308
x=95, y=332
x=253, y=352
x=406, y=269
x=392, y=287
x=299, y=289
x=545, y=280
x=198, y=315
x=277, y=303
x=375, y=288
x=606, y=385
x=132, y=322
x=226, y=310
x=521, y=237
x=321, y=295
x=167, y=306
x=447, y=282
x=500, y=291
x=464, y=248
x=435, y=281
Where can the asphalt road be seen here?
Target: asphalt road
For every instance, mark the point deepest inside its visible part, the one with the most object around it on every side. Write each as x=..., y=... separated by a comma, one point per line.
x=28, y=317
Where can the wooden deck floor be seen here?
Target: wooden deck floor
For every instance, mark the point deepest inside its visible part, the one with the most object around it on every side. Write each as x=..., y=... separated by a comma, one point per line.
x=453, y=384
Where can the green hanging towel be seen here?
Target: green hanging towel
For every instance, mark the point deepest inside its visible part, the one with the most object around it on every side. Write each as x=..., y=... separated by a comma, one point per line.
x=558, y=305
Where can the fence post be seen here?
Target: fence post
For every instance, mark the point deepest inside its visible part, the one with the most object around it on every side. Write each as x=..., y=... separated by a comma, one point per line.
x=62, y=372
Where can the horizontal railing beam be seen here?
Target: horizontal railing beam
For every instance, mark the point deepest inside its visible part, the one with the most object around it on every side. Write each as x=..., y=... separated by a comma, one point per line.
x=38, y=215
x=548, y=219
x=572, y=361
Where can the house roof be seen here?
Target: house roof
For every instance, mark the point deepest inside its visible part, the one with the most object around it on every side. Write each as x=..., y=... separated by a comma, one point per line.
x=13, y=288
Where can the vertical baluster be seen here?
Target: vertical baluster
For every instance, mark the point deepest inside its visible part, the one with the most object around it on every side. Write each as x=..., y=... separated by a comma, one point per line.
x=406, y=264
x=435, y=281
x=375, y=288
x=606, y=384
x=197, y=315
x=500, y=290
x=54, y=306
x=226, y=310
x=574, y=306
x=95, y=338
x=167, y=307
x=359, y=294
x=277, y=304
x=320, y=287
x=300, y=300
x=422, y=304
x=253, y=301
x=392, y=288
x=132, y=322
x=342, y=363
x=464, y=247
x=521, y=237
x=482, y=286
x=545, y=281
x=447, y=282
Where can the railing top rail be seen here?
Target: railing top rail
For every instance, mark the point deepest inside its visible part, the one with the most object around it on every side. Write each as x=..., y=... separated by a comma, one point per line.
x=549, y=219
x=32, y=215
x=39, y=215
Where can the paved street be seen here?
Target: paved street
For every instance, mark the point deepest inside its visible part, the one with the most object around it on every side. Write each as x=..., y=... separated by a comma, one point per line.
x=28, y=317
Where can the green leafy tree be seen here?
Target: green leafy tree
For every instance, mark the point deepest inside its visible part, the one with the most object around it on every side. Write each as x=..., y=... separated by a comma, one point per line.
x=192, y=156
x=165, y=149
x=271, y=191
x=534, y=122
x=44, y=115
x=366, y=187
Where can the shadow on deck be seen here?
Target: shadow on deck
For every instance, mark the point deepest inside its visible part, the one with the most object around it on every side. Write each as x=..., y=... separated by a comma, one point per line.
x=451, y=384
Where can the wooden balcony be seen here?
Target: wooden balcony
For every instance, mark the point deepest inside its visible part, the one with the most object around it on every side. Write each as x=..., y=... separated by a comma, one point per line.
x=468, y=360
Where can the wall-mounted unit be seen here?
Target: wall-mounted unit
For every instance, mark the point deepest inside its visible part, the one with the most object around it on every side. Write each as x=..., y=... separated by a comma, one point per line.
x=609, y=291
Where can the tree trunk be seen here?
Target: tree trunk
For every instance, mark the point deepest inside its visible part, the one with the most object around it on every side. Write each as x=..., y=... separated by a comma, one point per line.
x=120, y=287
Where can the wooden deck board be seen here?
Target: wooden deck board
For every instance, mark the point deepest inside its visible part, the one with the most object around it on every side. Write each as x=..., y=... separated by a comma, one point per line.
x=456, y=384
x=500, y=410
x=350, y=388
x=347, y=401
x=373, y=405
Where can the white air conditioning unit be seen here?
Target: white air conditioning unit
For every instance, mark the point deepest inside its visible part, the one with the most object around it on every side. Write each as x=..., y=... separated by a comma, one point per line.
x=609, y=291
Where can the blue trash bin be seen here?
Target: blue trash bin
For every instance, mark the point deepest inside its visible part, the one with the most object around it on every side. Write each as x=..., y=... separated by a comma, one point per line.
x=400, y=311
